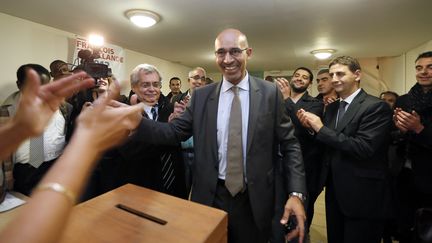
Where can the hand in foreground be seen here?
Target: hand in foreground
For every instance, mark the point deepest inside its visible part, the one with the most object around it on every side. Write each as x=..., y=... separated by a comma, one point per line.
x=284, y=87
x=405, y=121
x=295, y=207
x=179, y=108
x=38, y=103
x=105, y=125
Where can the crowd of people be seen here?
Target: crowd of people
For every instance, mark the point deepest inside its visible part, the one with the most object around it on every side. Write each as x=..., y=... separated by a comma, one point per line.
x=261, y=151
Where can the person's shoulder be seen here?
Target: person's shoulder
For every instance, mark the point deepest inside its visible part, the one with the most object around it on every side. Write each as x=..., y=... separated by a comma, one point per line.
x=11, y=99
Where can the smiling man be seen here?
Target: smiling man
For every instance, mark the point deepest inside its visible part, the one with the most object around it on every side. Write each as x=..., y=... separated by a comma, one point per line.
x=355, y=132
x=239, y=128
x=413, y=117
x=296, y=97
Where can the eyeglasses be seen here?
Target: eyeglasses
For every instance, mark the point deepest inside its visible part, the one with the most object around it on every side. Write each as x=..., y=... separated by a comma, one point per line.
x=197, y=77
x=146, y=85
x=234, y=52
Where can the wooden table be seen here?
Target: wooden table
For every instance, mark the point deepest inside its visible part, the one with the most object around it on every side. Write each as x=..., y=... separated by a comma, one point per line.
x=99, y=220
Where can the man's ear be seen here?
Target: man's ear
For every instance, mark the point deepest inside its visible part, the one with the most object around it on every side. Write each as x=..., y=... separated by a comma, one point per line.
x=249, y=52
x=357, y=73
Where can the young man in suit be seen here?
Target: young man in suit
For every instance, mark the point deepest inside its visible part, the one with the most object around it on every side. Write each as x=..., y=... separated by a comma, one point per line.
x=355, y=132
x=235, y=172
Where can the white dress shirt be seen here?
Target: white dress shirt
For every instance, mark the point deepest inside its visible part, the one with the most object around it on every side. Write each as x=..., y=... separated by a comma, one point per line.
x=53, y=138
x=223, y=114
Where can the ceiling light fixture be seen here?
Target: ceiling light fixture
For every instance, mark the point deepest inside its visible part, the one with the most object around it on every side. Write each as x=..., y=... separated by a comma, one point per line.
x=143, y=18
x=323, y=53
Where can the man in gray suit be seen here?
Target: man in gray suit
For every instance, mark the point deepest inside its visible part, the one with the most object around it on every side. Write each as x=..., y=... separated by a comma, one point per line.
x=221, y=158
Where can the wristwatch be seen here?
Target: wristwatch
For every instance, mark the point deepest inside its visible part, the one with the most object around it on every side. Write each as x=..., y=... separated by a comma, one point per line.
x=299, y=195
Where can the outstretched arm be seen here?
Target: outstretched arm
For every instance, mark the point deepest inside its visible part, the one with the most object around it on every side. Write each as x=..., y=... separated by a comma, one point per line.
x=99, y=127
x=36, y=107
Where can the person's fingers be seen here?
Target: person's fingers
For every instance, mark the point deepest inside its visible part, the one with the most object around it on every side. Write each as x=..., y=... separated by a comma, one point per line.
x=134, y=99
x=32, y=84
x=285, y=216
x=291, y=235
x=115, y=103
x=301, y=226
x=67, y=86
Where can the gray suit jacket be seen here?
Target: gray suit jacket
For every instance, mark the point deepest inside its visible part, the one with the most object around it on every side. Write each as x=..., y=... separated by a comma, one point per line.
x=270, y=131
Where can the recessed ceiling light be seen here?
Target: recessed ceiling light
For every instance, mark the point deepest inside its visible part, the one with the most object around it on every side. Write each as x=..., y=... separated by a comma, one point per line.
x=143, y=18
x=323, y=53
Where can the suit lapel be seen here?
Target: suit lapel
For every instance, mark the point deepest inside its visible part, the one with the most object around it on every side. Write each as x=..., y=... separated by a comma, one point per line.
x=212, y=110
x=330, y=115
x=254, y=103
x=351, y=111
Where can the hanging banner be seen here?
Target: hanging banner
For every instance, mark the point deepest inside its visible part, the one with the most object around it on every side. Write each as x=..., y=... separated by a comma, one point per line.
x=111, y=55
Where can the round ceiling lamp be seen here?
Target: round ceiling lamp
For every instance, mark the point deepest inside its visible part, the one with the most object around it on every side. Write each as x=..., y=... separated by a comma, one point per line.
x=323, y=53
x=143, y=18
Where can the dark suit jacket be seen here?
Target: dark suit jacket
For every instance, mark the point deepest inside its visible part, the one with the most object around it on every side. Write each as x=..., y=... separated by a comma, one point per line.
x=418, y=147
x=269, y=130
x=356, y=156
x=307, y=140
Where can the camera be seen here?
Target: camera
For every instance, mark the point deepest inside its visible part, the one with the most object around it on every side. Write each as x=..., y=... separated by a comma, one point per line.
x=96, y=70
x=92, y=68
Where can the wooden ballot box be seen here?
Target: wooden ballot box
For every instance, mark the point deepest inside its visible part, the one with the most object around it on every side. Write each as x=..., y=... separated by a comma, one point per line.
x=101, y=220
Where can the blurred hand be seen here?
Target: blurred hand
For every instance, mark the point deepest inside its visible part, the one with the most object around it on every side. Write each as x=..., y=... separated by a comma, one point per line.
x=329, y=100
x=179, y=108
x=309, y=120
x=295, y=206
x=284, y=87
x=405, y=121
x=38, y=103
x=108, y=125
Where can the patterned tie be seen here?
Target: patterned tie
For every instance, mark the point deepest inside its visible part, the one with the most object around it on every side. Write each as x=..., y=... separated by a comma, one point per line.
x=154, y=113
x=36, y=151
x=341, y=113
x=168, y=175
x=234, y=180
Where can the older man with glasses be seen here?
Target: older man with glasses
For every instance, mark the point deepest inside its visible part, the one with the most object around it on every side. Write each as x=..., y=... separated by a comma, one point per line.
x=157, y=167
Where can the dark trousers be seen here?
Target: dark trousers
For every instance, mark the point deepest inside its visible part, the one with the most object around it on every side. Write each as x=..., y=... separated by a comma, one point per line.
x=241, y=224
x=344, y=229
x=27, y=177
x=410, y=199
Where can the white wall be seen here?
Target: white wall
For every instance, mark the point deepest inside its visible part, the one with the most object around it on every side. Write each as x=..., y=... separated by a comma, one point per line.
x=24, y=42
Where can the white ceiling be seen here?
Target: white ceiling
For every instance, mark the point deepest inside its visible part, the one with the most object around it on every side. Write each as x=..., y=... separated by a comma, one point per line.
x=281, y=32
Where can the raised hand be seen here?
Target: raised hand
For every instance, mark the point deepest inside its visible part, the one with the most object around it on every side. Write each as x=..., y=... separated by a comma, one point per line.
x=284, y=87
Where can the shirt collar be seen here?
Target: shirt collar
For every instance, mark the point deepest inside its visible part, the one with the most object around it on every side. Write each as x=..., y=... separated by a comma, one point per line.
x=243, y=85
x=350, y=98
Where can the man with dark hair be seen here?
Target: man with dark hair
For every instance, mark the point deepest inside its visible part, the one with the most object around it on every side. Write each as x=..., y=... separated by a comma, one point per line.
x=174, y=85
x=297, y=97
x=355, y=132
x=413, y=117
x=389, y=97
x=327, y=94
x=36, y=155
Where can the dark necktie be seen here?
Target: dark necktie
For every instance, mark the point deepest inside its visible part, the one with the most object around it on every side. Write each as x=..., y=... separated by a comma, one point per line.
x=154, y=112
x=234, y=180
x=341, y=113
